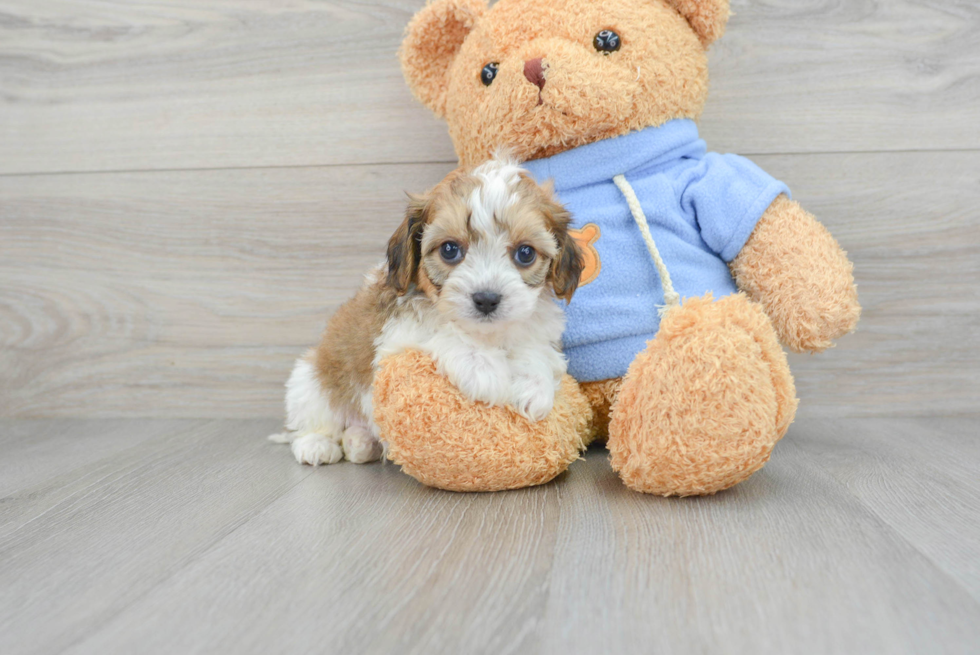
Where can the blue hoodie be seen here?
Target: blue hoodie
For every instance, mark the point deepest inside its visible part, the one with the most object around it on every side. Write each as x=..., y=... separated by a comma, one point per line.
x=701, y=206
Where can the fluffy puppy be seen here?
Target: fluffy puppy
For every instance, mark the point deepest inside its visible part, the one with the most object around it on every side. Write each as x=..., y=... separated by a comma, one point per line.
x=471, y=278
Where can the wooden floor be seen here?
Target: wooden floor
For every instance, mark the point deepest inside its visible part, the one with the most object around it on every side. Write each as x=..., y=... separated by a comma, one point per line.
x=193, y=536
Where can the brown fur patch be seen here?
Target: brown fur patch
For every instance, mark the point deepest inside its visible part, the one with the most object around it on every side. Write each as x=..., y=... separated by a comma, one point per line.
x=586, y=238
x=405, y=246
x=568, y=262
x=536, y=219
x=344, y=360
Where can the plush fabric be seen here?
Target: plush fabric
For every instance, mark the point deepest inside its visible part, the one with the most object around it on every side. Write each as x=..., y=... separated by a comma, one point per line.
x=705, y=399
x=701, y=208
x=801, y=276
x=444, y=441
x=601, y=395
x=702, y=407
x=706, y=17
x=660, y=74
x=433, y=38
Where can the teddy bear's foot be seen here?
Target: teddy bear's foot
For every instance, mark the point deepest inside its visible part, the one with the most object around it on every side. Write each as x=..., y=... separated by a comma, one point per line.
x=446, y=441
x=601, y=396
x=702, y=407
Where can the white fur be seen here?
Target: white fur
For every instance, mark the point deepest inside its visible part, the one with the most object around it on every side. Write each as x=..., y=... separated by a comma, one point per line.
x=514, y=363
x=315, y=449
x=511, y=358
x=307, y=403
x=498, y=178
x=320, y=434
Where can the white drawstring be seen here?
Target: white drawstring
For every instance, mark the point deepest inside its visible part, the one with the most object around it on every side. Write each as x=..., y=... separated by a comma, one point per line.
x=671, y=297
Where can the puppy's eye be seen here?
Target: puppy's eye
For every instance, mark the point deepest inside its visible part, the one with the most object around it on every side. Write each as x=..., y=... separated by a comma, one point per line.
x=489, y=73
x=451, y=253
x=525, y=255
x=607, y=41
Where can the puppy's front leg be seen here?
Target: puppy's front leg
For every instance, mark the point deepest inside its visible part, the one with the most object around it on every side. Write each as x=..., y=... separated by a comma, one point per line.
x=480, y=374
x=536, y=375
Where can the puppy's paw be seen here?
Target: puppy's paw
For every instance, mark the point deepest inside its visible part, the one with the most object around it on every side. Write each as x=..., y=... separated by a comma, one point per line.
x=482, y=378
x=315, y=449
x=533, y=397
x=361, y=446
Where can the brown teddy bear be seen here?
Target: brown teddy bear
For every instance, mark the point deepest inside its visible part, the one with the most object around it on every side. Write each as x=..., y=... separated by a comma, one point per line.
x=602, y=97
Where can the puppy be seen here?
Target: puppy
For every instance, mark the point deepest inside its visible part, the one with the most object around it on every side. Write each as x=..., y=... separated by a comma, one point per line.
x=471, y=278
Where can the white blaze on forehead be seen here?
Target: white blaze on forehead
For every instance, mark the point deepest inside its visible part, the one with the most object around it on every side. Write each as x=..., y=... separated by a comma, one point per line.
x=497, y=191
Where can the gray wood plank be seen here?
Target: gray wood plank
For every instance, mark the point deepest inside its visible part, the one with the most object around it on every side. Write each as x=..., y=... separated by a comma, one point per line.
x=79, y=548
x=38, y=450
x=920, y=476
x=190, y=286
x=788, y=562
x=358, y=559
x=94, y=85
x=190, y=293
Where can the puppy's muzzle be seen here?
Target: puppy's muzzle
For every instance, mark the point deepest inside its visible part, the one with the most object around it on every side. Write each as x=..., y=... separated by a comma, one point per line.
x=486, y=302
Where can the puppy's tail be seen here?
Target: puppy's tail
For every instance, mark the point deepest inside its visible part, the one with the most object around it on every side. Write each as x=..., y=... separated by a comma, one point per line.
x=282, y=437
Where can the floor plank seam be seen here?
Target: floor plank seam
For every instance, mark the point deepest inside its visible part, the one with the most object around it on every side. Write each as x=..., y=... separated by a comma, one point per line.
x=885, y=526
x=188, y=561
x=440, y=162
x=193, y=424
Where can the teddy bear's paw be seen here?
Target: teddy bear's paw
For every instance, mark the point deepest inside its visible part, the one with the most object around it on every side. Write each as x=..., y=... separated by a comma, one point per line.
x=533, y=397
x=315, y=449
x=797, y=271
x=444, y=440
x=701, y=409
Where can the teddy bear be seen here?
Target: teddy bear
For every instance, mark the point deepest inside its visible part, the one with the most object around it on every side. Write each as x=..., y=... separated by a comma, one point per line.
x=697, y=265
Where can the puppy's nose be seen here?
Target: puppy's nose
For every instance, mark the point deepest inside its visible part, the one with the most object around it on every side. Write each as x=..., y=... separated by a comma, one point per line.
x=486, y=301
x=534, y=72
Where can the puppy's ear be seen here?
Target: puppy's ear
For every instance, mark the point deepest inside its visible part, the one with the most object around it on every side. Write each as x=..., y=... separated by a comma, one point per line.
x=706, y=17
x=405, y=246
x=432, y=40
x=566, y=268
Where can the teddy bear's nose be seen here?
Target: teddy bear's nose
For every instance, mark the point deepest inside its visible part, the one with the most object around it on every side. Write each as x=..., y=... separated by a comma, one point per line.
x=534, y=72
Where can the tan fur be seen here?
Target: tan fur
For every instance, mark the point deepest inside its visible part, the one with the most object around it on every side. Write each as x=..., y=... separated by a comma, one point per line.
x=601, y=395
x=345, y=356
x=344, y=360
x=431, y=42
x=536, y=219
x=702, y=407
x=587, y=96
x=707, y=18
x=798, y=272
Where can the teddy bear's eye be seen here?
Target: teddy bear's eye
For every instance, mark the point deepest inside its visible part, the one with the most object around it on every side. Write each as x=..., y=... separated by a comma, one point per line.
x=489, y=73
x=607, y=41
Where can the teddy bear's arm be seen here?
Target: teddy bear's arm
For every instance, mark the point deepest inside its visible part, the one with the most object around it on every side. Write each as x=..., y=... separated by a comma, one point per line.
x=798, y=272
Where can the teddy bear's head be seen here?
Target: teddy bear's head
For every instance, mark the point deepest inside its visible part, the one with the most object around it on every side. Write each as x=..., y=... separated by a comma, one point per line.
x=542, y=76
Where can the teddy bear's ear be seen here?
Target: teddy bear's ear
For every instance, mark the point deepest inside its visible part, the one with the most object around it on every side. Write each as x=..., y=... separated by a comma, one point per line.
x=432, y=40
x=707, y=17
